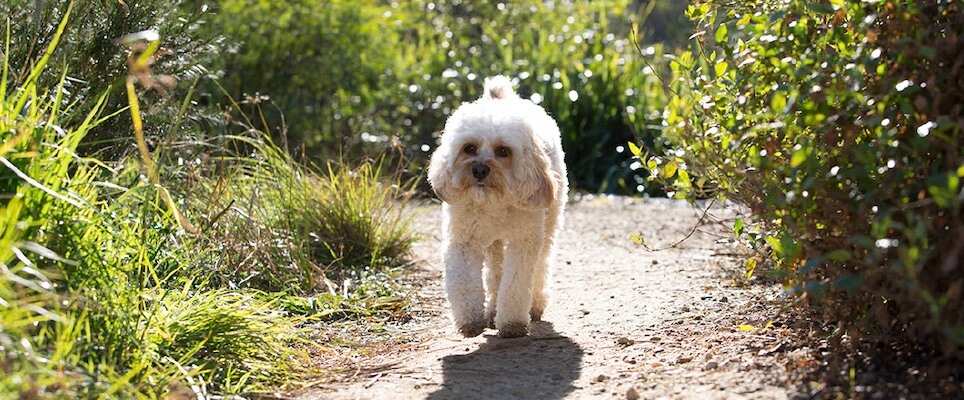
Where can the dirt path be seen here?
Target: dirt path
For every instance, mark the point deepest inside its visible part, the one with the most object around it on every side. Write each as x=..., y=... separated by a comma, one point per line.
x=623, y=323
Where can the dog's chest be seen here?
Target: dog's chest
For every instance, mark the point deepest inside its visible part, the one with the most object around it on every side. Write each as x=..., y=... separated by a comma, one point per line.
x=486, y=226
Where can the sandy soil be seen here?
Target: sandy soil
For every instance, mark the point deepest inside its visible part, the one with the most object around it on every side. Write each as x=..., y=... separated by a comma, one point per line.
x=624, y=322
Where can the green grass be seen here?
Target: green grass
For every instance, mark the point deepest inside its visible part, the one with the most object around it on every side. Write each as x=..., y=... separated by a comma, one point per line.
x=283, y=226
x=143, y=279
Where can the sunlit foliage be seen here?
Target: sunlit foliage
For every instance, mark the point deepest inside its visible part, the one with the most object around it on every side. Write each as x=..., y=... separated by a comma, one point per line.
x=838, y=124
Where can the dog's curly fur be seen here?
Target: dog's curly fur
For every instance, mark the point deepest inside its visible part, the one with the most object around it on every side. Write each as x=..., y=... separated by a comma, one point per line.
x=499, y=171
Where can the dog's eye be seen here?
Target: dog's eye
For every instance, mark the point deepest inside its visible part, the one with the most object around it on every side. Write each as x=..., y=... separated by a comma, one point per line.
x=469, y=149
x=502, y=151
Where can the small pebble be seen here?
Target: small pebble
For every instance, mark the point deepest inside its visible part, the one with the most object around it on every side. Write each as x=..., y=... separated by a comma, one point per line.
x=684, y=360
x=631, y=394
x=601, y=378
x=711, y=365
x=625, y=341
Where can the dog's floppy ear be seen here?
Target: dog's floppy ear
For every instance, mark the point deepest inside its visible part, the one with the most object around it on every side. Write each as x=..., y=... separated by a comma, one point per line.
x=438, y=174
x=540, y=185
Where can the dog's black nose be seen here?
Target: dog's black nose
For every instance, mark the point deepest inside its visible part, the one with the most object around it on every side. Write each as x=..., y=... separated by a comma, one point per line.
x=480, y=171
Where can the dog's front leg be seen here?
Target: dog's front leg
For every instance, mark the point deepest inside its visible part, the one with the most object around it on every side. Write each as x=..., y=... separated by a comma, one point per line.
x=515, y=291
x=463, y=286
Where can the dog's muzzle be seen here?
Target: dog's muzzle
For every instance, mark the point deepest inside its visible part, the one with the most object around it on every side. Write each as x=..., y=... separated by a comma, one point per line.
x=480, y=171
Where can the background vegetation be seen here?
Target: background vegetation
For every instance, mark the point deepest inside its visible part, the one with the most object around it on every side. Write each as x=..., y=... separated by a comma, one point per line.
x=351, y=76
x=182, y=245
x=156, y=275
x=838, y=124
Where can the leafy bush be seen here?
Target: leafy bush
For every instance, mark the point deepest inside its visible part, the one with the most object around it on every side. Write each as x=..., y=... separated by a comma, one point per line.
x=352, y=76
x=572, y=58
x=318, y=62
x=97, y=63
x=838, y=125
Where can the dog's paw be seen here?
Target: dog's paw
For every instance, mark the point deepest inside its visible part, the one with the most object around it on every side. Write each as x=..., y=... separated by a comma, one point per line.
x=514, y=330
x=536, y=314
x=472, y=330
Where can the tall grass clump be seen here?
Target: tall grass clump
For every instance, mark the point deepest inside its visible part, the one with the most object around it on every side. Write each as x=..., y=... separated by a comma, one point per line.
x=838, y=125
x=282, y=226
x=99, y=294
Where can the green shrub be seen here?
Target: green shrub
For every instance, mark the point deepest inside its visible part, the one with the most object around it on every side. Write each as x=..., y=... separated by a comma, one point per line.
x=97, y=63
x=350, y=77
x=838, y=125
x=574, y=59
x=319, y=63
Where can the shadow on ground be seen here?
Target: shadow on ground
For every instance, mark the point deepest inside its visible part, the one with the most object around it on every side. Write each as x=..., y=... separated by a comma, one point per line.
x=543, y=365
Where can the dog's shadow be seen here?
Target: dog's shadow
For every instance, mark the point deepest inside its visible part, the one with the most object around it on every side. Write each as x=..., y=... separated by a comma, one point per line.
x=544, y=365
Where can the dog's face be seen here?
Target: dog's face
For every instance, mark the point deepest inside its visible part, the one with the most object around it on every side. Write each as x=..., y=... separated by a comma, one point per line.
x=489, y=155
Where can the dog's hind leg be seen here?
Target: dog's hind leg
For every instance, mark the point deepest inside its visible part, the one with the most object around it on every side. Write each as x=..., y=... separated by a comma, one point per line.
x=463, y=286
x=494, y=258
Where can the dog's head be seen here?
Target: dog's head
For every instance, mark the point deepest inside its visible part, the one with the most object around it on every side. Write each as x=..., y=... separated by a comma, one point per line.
x=489, y=153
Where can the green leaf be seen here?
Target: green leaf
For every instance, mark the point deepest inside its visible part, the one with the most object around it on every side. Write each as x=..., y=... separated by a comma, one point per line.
x=779, y=102
x=720, y=34
x=683, y=179
x=750, y=267
x=669, y=170
x=821, y=7
x=839, y=255
x=775, y=244
x=775, y=17
x=720, y=68
x=738, y=226
x=943, y=188
x=638, y=238
x=634, y=149
x=799, y=157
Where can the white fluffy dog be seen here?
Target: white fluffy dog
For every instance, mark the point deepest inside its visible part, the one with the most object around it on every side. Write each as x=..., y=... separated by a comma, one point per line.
x=499, y=171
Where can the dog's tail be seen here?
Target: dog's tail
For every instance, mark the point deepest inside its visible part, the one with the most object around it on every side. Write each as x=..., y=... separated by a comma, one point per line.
x=498, y=87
